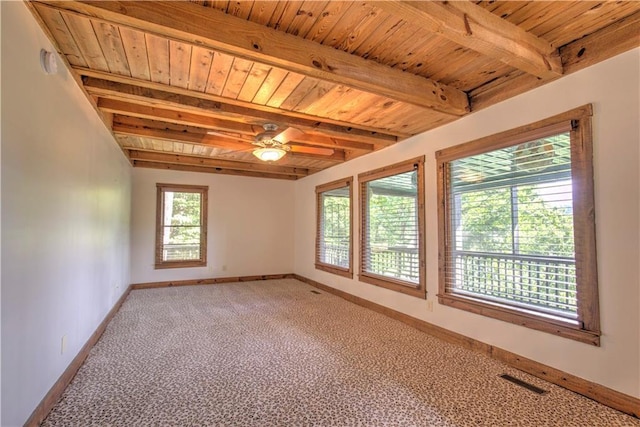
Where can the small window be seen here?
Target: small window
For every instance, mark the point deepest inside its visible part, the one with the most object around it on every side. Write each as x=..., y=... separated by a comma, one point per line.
x=392, y=227
x=181, y=226
x=334, y=227
x=516, y=214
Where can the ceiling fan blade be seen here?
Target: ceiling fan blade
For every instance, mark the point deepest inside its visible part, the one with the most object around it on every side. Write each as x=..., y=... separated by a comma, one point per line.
x=287, y=135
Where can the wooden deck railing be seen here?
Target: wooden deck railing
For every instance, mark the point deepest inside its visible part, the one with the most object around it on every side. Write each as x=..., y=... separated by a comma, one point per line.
x=544, y=282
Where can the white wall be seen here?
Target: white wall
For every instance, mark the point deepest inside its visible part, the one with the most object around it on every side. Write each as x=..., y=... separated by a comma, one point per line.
x=250, y=226
x=65, y=218
x=614, y=90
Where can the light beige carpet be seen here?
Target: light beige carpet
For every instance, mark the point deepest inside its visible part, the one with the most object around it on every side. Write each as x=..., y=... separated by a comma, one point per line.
x=273, y=353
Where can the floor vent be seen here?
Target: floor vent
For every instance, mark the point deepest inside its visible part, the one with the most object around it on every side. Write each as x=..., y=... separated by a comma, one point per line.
x=523, y=384
x=315, y=292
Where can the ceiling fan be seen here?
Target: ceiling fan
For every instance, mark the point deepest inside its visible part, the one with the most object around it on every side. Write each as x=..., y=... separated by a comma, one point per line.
x=272, y=145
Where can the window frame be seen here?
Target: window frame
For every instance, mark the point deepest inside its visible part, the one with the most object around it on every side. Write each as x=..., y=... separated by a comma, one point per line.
x=420, y=290
x=320, y=189
x=161, y=189
x=587, y=329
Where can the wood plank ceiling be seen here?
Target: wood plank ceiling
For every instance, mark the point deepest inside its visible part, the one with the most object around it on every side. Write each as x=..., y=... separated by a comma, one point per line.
x=188, y=85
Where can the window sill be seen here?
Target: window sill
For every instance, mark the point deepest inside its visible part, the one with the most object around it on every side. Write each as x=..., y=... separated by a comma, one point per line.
x=556, y=327
x=180, y=264
x=414, y=290
x=335, y=270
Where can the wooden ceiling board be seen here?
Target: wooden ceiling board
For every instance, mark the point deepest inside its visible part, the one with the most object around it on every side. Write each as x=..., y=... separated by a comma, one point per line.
x=571, y=10
x=591, y=20
x=322, y=105
x=254, y=81
x=158, y=56
x=367, y=18
x=237, y=76
x=348, y=102
x=180, y=63
x=561, y=22
x=262, y=11
x=220, y=5
x=108, y=36
x=531, y=13
x=58, y=27
x=301, y=90
x=306, y=17
x=401, y=54
x=325, y=21
x=387, y=47
x=410, y=120
x=240, y=9
x=135, y=49
x=271, y=83
x=85, y=37
x=378, y=107
x=383, y=31
x=218, y=73
x=185, y=98
x=199, y=68
x=286, y=87
x=364, y=103
x=471, y=74
x=358, y=18
x=424, y=55
x=503, y=9
x=318, y=92
x=283, y=15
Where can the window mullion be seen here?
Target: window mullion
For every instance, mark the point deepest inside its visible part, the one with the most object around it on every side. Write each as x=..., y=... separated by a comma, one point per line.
x=515, y=232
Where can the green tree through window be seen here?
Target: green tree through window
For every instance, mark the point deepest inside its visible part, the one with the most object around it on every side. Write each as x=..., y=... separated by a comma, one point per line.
x=334, y=227
x=515, y=214
x=181, y=226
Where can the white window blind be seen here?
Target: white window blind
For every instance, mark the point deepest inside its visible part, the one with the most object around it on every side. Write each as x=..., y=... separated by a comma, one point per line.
x=512, y=227
x=390, y=228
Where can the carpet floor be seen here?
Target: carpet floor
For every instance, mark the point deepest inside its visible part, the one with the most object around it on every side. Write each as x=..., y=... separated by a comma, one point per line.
x=274, y=353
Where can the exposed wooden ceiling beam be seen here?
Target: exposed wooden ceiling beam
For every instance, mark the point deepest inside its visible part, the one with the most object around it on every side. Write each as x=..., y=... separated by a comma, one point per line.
x=338, y=156
x=207, y=169
x=193, y=119
x=210, y=28
x=347, y=128
x=478, y=29
x=165, y=131
x=175, y=116
x=203, y=106
x=612, y=40
x=216, y=163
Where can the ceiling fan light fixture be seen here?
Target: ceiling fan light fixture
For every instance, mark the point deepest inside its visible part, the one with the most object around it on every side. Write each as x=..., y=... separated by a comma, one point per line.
x=269, y=154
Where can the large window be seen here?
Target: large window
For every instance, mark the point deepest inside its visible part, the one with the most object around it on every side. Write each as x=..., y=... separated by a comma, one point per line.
x=334, y=227
x=392, y=227
x=181, y=226
x=516, y=214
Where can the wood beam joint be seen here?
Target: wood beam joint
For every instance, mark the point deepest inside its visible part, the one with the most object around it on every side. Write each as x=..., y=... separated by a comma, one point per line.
x=477, y=29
